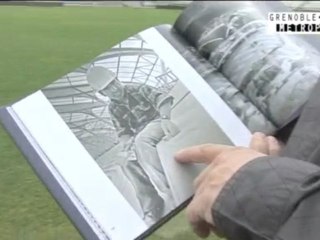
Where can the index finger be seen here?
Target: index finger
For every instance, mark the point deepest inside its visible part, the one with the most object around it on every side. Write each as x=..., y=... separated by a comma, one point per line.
x=205, y=153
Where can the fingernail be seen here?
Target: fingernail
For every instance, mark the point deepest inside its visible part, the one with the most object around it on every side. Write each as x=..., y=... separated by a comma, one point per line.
x=273, y=139
x=178, y=155
x=259, y=134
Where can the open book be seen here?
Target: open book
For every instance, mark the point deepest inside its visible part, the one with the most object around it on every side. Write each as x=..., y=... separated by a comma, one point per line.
x=102, y=138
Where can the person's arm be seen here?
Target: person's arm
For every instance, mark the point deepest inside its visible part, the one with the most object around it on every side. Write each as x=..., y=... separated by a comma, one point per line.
x=245, y=194
x=159, y=100
x=165, y=109
x=270, y=198
x=163, y=103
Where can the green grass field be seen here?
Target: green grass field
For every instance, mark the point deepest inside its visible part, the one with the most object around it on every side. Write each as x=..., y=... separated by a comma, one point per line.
x=39, y=45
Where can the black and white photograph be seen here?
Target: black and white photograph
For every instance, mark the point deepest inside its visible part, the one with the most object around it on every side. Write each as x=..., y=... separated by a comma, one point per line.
x=264, y=78
x=131, y=113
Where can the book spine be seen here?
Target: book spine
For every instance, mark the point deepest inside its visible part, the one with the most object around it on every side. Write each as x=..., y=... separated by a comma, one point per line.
x=88, y=230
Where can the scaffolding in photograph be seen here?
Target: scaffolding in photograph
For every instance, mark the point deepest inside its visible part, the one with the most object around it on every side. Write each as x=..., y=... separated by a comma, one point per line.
x=85, y=112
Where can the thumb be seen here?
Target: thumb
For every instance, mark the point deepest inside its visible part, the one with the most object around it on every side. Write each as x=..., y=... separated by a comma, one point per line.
x=205, y=153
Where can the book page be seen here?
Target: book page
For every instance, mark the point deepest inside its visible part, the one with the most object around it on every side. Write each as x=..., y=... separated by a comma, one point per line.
x=249, y=114
x=267, y=76
x=214, y=121
x=111, y=127
x=105, y=205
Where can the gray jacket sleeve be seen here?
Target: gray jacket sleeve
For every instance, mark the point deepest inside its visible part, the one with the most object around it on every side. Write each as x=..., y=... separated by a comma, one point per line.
x=270, y=198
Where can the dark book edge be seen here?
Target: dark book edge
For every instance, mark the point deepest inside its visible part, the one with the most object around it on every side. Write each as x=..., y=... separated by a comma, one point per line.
x=164, y=220
x=35, y=160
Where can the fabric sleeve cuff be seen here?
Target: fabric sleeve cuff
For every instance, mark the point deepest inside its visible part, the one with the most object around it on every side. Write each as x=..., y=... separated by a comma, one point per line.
x=256, y=200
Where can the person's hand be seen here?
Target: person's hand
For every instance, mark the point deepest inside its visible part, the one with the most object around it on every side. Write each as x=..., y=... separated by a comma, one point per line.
x=265, y=144
x=223, y=162
x=169, y=128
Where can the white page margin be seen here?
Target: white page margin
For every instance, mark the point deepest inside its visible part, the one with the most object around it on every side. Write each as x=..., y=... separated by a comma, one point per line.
x=78, y=168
